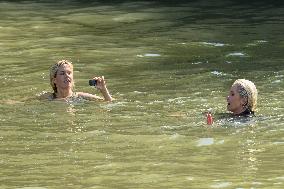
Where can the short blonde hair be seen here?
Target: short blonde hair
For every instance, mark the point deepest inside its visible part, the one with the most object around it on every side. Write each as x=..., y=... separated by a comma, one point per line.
x=248, y=90
x=53, y=71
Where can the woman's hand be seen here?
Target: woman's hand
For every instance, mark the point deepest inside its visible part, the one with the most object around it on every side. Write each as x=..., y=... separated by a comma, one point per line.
x=101, y=84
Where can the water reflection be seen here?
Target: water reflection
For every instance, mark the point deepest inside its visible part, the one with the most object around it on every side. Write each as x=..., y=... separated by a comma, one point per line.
x=247, y=155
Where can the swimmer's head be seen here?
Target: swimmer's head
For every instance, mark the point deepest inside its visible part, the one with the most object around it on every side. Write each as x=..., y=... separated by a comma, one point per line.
x=54, y=69
x=248, y=92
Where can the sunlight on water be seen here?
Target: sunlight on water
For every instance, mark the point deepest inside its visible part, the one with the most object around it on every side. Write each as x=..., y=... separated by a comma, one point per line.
x=221, y=185
x=205, y=141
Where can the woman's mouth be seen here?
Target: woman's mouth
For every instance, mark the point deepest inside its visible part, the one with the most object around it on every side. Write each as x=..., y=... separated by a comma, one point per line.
x=67, y=81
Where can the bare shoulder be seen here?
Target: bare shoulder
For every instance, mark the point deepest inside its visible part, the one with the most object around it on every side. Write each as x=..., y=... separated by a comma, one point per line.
x=89, y=96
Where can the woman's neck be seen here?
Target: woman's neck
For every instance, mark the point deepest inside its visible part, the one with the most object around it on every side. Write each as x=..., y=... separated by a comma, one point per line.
x=239, y=111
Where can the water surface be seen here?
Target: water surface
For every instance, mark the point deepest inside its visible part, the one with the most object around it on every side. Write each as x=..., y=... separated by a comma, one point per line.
x=165, y=63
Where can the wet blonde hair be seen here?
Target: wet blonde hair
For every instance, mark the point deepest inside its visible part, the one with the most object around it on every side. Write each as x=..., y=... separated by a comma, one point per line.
x=53, y=72
x=247, y=89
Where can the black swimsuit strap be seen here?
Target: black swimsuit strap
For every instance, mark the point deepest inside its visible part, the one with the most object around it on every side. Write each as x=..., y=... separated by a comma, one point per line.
x=247, y=112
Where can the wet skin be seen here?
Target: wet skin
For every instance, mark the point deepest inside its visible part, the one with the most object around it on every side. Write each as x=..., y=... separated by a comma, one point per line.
x=235, y=101
x=64, y=80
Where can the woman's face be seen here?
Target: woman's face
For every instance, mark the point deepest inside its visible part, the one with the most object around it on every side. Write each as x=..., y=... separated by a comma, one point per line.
x=235, y=101
x=64, y=77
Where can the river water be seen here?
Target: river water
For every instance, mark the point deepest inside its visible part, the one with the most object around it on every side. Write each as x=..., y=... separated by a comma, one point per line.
x=165, y=63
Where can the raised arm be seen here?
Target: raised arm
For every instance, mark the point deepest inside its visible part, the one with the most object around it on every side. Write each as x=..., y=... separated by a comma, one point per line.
x=101, y=86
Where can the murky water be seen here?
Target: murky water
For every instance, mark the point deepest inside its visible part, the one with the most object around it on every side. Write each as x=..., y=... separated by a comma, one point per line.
x=165, y=63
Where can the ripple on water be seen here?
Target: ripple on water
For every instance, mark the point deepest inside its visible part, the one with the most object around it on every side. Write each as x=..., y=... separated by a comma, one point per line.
x=276, y=81
x=199, y=62
x=149, y=55
x=221, y=185
x=218, y=73
x=34, y=187
x=278, y=143
x=239, y=54
x=205, y=141
x=208, y=142
x=212, y=44
x=256, y=43
x=115, y=104
x=178, y=100
x=139, y=92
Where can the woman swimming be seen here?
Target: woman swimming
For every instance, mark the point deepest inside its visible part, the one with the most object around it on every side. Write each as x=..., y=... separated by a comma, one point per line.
x=242, y=98
x=62, y=83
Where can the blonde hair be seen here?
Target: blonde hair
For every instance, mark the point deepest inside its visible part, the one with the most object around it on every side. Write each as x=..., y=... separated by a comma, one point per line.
x=53, y=72
x=247, y=89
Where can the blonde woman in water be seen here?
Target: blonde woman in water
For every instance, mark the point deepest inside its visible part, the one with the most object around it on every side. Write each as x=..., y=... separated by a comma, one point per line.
x=62, y=83
x=242, y=98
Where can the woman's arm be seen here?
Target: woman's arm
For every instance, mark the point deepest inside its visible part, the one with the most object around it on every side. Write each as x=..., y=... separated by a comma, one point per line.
x=89, y=96
x=107, y=96
x=101, y=86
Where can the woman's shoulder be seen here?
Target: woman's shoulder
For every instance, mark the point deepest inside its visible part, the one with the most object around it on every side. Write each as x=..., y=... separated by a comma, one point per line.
x=88, y=96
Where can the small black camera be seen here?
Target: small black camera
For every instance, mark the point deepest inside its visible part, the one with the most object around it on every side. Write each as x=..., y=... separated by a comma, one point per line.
x=92, y=82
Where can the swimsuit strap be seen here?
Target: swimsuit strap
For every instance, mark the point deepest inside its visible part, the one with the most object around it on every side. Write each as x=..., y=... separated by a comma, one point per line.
x=74, y=94
x=247, y=112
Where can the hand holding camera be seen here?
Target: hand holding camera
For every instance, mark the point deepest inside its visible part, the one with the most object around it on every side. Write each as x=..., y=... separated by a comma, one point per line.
x=98, y=82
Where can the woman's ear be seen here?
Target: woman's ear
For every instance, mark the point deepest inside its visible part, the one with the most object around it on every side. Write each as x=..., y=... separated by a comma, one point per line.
x=244, y=101
x=54, y=80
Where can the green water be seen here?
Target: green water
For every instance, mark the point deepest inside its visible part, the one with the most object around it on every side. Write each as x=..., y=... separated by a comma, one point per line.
x=165, y=63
